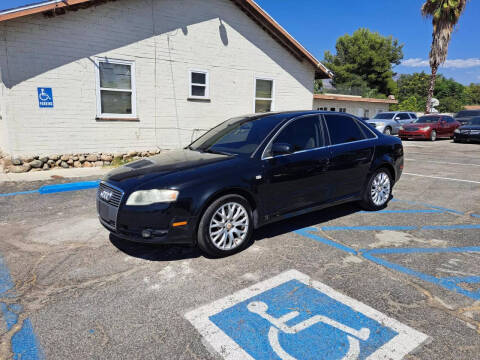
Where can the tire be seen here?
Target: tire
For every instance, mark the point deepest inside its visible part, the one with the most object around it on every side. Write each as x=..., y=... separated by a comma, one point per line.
x=387, y=131
x=383, y=190
x=433, y=135
x=220, y=238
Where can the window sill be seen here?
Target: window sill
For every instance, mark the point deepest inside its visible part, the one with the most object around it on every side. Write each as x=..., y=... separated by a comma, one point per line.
x=101, y=118
x=193, y=98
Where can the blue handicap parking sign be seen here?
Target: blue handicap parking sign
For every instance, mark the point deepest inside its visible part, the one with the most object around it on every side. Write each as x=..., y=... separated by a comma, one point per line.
x=291, y=317
x=45, y=97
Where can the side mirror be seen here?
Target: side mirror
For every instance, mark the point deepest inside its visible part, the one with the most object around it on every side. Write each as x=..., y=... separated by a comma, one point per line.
x=281, y=149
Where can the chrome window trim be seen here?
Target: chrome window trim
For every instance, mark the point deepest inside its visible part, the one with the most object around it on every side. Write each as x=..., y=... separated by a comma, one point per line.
x=318, y=115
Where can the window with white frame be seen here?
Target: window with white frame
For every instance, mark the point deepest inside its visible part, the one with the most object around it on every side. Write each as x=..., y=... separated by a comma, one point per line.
x=116, y=94
x=199, y=84
x=264, y=93
x=342, y=110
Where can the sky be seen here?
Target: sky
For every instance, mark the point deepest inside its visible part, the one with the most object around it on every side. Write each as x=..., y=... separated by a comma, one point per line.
x=317, y=24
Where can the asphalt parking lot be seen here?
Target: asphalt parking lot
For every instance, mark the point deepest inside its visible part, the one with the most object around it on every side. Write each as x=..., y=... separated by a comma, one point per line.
x=347, y=282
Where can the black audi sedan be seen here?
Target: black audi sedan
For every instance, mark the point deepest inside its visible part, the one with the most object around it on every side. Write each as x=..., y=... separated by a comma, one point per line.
x=469, y=132
x=247, y=172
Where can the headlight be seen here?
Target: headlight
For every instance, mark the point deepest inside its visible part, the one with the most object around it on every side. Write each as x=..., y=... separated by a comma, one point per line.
x=380, y=124
x=457, y=131
x=425, y=128
x=401, y=128
x=148, y=197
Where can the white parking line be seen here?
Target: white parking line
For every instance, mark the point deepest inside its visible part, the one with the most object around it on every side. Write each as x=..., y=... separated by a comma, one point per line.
x=443, y=178
x=443, y=162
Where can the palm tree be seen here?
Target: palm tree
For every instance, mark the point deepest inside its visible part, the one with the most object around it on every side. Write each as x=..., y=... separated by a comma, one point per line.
x=445, y=15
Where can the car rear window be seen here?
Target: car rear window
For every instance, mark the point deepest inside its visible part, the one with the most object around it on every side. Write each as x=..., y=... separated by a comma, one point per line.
x=384, y=116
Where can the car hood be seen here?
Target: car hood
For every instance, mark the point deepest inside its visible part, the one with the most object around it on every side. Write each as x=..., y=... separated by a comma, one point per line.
x=378, y=120
x=165, y=163
x=470, y=127
x=420, y=125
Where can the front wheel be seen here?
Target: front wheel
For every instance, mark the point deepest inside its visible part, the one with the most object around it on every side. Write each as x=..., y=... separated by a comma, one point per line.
x=387, y=131
x=377, y=193
x=433, y=135
x=226, y=226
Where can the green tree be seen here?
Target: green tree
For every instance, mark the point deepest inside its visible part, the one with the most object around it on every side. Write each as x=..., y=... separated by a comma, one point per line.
x=365, y=60
x=452, y=95
x=445, y=15
x=472, y=94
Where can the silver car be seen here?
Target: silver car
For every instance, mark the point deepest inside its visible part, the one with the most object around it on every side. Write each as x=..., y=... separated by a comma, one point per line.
x=390, y=122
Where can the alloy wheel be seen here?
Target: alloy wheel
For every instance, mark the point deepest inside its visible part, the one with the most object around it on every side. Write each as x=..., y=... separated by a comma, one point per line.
x=388, y=131
x=380, y=191
x=229, y=226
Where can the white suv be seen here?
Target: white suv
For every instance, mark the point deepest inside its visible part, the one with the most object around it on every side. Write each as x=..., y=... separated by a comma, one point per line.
x=389, y=122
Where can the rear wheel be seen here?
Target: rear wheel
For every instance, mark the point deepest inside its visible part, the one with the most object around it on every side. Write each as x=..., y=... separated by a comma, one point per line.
x=226, y=226
x=377, y=193
x=433, y=135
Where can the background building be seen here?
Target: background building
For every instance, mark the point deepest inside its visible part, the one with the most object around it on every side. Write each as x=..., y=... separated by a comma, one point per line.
x=356, y=105
x=99, y=75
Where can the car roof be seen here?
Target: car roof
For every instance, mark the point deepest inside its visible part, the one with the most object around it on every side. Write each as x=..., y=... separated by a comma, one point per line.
x=284, y=115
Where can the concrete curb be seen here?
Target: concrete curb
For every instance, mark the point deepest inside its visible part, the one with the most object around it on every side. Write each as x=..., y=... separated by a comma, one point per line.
x=51, y=174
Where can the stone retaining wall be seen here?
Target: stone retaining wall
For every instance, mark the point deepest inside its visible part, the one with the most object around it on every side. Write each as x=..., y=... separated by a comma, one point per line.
x=47, y=162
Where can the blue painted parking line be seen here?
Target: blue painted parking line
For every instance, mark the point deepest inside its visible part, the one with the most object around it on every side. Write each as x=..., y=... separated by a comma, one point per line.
x=367, y=228
x=372, y=255
x=307, y=232
x=451, y=227
x=19, y=193
x=291, y=316
x=447, y=283
x=429, y=206
x=58, y=188
x=23, y=343
x=404, y=211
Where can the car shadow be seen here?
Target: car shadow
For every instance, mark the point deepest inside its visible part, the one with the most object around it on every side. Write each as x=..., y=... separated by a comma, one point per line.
x=153, y=252
x=303, y=221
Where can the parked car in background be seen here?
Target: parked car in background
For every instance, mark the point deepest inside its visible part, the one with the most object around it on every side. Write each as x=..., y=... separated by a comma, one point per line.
x=247, y=172
x=389, y=123
x=429, y=127
x=469, y=132
x=464, y=116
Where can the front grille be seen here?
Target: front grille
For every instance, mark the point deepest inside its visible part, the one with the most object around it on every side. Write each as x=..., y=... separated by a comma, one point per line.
x=115, y=198
x=410, y=128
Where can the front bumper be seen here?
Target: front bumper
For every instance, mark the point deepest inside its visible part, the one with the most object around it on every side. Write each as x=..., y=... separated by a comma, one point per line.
x=162, y=223
x=414, y=134
x=466, y=137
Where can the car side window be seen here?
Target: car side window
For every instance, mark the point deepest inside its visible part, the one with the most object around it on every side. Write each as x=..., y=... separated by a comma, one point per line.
x=413, y=116
x=302, y=134
x=343, y=129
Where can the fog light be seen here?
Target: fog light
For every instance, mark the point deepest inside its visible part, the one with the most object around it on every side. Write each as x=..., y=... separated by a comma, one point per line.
x=146, y=234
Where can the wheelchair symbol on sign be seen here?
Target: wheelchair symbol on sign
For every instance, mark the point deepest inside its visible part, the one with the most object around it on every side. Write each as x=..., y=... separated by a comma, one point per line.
x=279, y=324
x=43, y=96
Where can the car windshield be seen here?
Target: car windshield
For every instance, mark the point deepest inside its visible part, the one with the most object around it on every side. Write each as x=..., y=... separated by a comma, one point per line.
x=475, y=121
x=384, y=116
x=467, y=113
x=427, y=120
x=239, y=136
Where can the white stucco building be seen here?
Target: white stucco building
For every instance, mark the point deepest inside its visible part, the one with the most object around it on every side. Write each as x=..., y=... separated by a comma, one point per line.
x=101, y=75
x=356, y=105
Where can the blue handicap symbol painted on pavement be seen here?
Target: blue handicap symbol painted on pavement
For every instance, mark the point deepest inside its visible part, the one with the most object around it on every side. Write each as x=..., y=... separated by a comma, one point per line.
x=298, y=319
